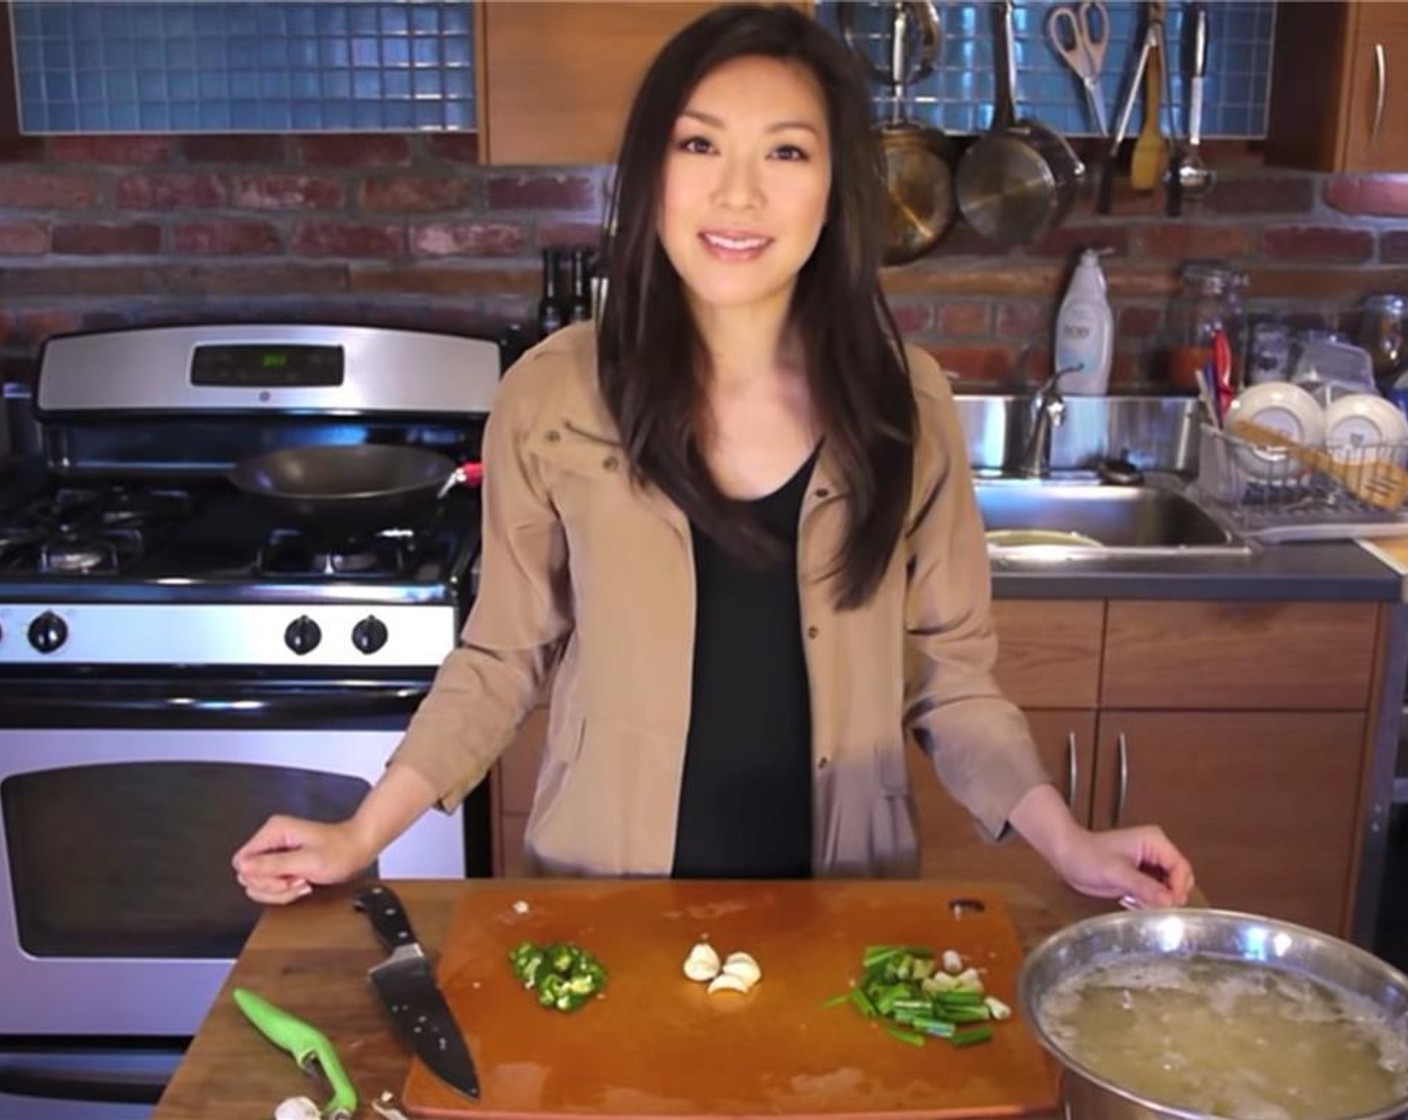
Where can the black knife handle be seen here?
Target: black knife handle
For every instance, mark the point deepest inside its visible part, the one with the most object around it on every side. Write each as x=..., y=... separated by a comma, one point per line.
x=388, y=916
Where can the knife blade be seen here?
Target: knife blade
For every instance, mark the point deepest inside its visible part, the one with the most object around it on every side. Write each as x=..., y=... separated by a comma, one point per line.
x=406, y=986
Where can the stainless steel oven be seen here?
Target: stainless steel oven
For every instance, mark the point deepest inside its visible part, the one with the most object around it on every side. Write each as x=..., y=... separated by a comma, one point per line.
x=176, y=664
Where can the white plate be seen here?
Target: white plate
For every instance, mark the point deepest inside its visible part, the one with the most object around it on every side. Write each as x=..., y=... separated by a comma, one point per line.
x=1364, y=426
x=1283, y=408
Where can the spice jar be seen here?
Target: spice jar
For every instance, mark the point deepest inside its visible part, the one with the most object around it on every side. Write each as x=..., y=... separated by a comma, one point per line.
x=1206, y=304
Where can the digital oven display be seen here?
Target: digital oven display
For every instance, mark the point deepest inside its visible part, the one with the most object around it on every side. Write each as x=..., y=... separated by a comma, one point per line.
x=267, y=367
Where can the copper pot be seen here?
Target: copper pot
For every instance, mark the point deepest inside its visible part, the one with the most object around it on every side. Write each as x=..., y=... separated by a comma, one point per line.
x=920, y=203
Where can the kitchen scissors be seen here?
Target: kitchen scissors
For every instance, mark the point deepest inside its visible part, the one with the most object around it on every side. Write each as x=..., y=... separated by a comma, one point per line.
x=1079, y=33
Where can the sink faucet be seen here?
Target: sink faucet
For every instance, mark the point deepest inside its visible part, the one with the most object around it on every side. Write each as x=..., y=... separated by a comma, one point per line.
x=1048, y=410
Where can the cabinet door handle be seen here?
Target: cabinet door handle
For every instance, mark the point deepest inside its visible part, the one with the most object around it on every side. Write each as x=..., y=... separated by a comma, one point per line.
x=1121, y=779
x=1380, y=88
x=1072, y=770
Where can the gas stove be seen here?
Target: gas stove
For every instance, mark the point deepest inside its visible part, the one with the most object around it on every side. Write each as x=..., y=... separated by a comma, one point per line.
x=130, y=545
x=184, y=653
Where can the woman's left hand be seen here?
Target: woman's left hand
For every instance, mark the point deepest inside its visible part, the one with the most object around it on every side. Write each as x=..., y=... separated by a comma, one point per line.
x=1139, y=863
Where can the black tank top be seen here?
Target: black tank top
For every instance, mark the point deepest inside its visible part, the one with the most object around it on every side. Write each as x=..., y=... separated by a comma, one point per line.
x=746, y=799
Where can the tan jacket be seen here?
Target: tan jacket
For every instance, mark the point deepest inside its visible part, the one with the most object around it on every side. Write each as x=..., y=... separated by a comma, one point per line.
x=582, y=565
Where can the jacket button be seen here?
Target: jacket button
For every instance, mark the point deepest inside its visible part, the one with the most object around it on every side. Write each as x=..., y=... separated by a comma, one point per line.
x=812, y=631
x=611, y=462
x=821, y=765
x=823, y=493
x=553, y=435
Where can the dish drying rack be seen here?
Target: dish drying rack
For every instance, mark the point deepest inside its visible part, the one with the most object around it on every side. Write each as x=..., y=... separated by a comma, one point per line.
x=1268, y=496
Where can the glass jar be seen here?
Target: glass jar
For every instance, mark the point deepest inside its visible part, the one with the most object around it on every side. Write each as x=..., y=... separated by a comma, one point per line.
x=1381, y=332
x=1206, y=303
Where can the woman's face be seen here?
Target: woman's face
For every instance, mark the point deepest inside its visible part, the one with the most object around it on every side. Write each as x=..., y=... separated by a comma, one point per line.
x=746, y=181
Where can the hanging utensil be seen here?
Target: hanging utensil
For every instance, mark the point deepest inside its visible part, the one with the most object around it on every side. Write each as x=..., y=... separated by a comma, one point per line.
x=1149, y=148
x=1152, y=42
x=1194, y=176
x=1019, y=180
x=919, y=195
x=1079, y=34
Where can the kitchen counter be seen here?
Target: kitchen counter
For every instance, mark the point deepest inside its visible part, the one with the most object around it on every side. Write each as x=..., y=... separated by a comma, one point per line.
x=311, y=958
x=1340, y=571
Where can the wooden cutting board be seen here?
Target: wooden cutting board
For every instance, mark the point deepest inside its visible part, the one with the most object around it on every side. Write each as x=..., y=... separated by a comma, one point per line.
x=660, y=1045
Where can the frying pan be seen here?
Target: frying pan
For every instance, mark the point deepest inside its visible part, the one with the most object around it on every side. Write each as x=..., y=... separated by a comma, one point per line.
x=350, y=487
x=1019, y=180
x=919, y=196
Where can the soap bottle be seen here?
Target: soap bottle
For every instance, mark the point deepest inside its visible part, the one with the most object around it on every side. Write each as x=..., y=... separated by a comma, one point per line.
x=1085, y=331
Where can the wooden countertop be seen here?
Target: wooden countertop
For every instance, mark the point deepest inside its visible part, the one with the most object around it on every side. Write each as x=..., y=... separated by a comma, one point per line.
x=1392, y=551
x=311, y=958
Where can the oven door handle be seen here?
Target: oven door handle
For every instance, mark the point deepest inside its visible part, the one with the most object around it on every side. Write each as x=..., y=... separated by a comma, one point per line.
x=88, y=1074
x=188, y=704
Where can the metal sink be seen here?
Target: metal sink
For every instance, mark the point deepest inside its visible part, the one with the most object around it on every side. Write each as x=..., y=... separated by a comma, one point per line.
x=1098, y=520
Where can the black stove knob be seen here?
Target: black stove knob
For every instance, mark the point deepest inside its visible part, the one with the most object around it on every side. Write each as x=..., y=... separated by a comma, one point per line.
x=369, y=635
x=302, y=635
x=48, y=632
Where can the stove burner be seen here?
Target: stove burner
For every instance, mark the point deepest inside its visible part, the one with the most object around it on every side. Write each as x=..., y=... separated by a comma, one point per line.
x=76, y=556
x=289, y=552
x=80, y=530
x=84, y=555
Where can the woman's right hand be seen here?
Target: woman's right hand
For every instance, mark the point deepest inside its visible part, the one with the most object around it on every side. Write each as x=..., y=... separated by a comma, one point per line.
x=287, y=856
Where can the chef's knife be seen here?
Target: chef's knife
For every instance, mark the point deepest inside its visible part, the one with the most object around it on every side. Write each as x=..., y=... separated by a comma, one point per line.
x=406, y=985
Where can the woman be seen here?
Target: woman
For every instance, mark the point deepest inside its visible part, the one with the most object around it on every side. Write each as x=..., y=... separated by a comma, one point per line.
x=738, y=521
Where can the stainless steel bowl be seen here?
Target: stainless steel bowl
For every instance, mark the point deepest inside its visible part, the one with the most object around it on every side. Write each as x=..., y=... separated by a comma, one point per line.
x=1151, y=934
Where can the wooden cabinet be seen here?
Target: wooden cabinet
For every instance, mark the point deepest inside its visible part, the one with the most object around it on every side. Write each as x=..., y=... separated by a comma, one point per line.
x=1238, y=655
x=558, y=78
x=555, y=80
x=1264, y=804
x=1242, y=729
x=1339, y=89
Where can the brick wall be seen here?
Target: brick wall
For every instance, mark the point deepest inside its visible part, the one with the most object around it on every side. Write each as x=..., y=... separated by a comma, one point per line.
x=408, y=231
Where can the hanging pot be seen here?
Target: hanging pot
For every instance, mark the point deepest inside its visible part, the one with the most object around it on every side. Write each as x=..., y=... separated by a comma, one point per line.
x=920, y=203
x=1018, y=181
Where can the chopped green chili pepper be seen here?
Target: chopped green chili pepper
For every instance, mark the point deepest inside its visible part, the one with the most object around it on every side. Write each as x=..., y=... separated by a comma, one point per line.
x=561, y=976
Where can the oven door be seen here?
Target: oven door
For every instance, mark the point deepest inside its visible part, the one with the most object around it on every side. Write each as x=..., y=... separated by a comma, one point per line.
x=121, y=804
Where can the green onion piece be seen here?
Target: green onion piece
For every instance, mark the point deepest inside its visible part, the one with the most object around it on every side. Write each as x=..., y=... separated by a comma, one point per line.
x=965, y=1014
x=936, y=1027
x=959, y=999
x=909, y=1037
x=971, y=1035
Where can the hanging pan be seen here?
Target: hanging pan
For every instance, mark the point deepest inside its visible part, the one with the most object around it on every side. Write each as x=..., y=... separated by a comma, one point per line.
x=1018, y=181
x=919, y=194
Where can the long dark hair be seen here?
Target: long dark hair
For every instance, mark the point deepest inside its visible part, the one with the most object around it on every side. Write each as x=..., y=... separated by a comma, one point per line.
x=856, y=370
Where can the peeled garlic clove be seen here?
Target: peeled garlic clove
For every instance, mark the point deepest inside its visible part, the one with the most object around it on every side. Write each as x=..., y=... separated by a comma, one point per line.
x=702, y=962
x=744, y=967
x=728, y=982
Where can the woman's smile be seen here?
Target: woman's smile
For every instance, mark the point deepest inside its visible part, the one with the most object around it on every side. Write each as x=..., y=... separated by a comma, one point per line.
x=734, y=247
